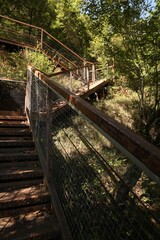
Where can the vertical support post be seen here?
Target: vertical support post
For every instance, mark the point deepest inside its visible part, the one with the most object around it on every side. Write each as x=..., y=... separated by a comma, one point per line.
x=71, y=80
x=87, y=76
x=42, y=33
x=113, y=71
x=93, y=73
x=28, y=92
x=48, y=132
x=84, y=73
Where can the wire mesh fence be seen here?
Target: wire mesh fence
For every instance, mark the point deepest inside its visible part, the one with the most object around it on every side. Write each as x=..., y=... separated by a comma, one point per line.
x=88, y=172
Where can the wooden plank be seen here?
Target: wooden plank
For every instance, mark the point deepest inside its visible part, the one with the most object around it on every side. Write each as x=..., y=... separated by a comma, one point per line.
x=19, y=164
x=16, y=143
x=13, y=122
x=40, y=224
x=19, y=184
x=20, y=173
x=19, y=212
x=21, y=197
x=13, y=132
x=16, y=149
x=12, y=114
x=12, y=125
x=19, y=137
x=93, y=87
x=30, y=156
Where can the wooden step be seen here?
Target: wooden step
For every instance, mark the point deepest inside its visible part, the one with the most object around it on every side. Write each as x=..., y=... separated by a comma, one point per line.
x=16, y=149
x=12, y=124
x=15, y=132
x=30, y=156
x=23, y=197
x=12, y=114
x=18, y=137
x=13, y=121
x=20, y=173
x=30, y=223
x=8, y=164
x=15, y=143
x=20, y=183
x=14, y=129
x=25, y=204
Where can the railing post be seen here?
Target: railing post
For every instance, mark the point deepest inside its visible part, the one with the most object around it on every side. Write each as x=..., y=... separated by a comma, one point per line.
x=84, y=72
x=87, y=76
x=42, y=33
x=48, y=132
x=93, y=73
x=71, y=79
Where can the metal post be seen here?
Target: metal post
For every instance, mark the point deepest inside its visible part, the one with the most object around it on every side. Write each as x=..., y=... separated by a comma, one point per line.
x=93, y=73
x=71, y=80
x=84, y=73
x=87, y=76
x=42, y=38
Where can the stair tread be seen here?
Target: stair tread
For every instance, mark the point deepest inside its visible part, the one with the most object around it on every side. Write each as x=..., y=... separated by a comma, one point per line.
x=13, y=121
x=20, y=149
x=18, y=164
x=19, y=184
x=19, y=155
x=25, y=203
x=18, y=197
x=12, y=113
x=20, y=172
x=13, y=125
x=14, y=130
x=18, y=137
x=16, y=142
x=38, y=224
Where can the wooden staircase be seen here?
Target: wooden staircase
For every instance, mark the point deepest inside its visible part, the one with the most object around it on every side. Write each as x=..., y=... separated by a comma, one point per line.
x=25, y=204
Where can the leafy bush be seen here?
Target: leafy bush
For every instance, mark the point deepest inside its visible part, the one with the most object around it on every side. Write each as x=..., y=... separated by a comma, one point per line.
x=14, y=64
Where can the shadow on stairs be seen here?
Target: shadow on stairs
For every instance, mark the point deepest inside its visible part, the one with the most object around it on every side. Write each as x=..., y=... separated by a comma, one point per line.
x=25, y=204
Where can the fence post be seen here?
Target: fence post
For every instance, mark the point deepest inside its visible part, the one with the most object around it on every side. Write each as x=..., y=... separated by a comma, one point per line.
x=87, y=76
x=71, y=79
x=48, y=133
x=93, y=73
x=84, y=72
x=42, y=38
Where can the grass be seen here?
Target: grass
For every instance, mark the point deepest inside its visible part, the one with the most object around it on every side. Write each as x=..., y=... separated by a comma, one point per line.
x=121, y=105
x=14, y=64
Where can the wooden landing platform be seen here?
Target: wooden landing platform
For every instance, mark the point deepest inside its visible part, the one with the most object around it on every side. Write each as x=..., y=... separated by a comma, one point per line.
x=85, y=92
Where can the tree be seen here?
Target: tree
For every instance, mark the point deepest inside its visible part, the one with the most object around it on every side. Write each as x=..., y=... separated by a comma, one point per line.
x=127, y=36
x=70, y=24
x=30, y=11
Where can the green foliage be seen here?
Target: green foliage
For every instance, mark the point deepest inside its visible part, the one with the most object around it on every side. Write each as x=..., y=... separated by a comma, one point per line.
x=121, y=105
x=70, y=25
x=39, y=61
x=14, y=65
x=30, y=11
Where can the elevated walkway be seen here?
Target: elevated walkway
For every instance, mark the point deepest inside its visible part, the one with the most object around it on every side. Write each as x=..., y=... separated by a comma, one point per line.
x=25, y=204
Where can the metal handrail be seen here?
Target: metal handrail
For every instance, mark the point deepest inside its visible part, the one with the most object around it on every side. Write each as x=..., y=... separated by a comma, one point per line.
x=43, y=37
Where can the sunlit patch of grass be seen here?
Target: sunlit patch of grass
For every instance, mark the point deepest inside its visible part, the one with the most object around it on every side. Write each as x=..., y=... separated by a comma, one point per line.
x=121, y=105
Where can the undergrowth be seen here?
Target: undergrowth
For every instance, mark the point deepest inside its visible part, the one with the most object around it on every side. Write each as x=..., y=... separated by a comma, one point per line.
x=14, y=64
x=122, y=104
